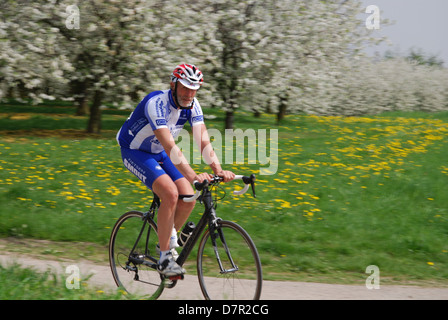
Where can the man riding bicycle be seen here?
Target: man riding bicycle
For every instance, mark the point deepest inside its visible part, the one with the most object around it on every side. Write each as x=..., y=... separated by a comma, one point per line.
x=148, y=150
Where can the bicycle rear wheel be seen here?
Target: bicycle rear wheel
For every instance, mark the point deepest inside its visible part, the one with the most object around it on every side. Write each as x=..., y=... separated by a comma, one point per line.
x=228, y=264
x=133, y=258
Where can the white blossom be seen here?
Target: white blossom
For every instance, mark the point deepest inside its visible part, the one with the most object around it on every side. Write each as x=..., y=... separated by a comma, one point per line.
x=261, y=56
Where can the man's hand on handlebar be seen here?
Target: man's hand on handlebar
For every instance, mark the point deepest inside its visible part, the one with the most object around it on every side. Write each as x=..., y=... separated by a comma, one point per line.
x=248, y=181
x=226, y=175
x=203, y=176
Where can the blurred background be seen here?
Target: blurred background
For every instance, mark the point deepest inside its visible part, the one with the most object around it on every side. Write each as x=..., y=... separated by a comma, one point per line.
x=280, y=57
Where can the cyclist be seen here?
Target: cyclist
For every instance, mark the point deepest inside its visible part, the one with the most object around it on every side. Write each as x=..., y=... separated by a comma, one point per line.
x=148, y=150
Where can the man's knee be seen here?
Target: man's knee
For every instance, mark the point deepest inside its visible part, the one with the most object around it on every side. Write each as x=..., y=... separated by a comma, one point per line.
x=166, y=190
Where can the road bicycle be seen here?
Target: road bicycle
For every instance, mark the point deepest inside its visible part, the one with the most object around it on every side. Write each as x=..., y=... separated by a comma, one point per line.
x=228, y=265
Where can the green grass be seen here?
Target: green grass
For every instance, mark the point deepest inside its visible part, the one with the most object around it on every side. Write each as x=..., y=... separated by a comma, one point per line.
x=348, y=192
x=26, y=284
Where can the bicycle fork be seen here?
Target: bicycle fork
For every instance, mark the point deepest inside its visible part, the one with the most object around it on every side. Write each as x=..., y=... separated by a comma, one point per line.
x=216, y=232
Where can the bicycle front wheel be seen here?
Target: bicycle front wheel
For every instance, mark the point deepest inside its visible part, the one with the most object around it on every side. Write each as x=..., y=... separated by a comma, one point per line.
x=228, y=263
x=133, y=257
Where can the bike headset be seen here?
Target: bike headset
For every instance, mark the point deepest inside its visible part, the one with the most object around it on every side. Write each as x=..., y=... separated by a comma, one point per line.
x=190, y=76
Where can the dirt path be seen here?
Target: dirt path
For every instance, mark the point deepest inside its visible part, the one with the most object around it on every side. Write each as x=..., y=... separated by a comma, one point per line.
x=272, y=290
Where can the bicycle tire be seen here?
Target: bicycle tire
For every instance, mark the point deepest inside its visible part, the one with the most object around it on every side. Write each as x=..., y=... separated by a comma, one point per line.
x=241, y=283
x=148, y=283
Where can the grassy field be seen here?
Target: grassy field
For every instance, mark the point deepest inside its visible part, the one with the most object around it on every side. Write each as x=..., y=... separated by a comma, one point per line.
x=348, y=192
x=27, y=284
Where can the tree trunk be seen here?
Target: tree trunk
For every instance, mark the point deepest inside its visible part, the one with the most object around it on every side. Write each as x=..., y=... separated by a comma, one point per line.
x=94, y=125
x=82, y=107
x=281, y=112
x=229, y=119
x=282, y=107
x=79, y=90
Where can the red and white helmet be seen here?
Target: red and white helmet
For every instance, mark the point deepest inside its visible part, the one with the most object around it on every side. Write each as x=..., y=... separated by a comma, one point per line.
x=189, y=75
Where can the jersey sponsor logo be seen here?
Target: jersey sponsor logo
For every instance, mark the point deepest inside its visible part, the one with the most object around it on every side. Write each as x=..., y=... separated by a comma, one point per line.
x=197, y=118
x=134, y=170
x=138, y=125
x=160, y=108
x=161, y=122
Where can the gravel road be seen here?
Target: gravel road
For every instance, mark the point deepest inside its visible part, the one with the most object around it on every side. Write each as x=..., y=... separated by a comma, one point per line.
x=188, y=289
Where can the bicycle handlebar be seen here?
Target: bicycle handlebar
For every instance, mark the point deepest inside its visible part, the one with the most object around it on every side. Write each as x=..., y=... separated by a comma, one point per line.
x=199, y=186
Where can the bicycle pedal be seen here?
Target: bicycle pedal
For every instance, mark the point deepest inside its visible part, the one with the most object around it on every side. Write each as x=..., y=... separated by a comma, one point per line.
x=178, y=277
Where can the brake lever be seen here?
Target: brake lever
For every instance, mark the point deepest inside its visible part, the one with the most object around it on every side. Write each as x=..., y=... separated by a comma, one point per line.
x=247, y=181
x=252, y=184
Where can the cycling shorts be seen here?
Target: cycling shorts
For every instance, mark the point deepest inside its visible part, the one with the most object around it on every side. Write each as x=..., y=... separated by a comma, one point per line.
x=149, y=166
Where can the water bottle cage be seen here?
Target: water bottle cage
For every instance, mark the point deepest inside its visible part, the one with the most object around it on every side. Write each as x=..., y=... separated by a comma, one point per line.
x=185, y=236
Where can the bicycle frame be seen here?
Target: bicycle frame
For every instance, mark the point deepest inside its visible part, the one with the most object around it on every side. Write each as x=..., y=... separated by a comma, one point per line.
x=208, y=218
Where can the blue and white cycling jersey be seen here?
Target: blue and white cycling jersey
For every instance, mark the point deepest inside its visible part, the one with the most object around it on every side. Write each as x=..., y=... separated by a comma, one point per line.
x=157, y=110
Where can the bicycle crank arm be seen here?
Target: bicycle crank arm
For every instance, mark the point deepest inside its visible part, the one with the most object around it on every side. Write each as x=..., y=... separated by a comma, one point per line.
x=138, y=261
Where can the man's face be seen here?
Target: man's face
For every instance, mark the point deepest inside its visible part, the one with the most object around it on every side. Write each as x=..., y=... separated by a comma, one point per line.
x=185, y=96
